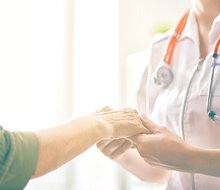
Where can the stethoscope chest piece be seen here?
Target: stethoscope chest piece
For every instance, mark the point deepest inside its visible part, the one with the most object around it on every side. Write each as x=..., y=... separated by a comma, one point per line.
x=163, y=75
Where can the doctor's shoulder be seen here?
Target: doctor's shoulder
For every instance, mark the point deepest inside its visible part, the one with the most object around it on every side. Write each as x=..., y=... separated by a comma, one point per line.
x=161, y=37
x=158, y=45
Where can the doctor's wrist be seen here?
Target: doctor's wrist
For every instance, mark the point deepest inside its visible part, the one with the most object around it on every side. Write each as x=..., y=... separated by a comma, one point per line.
x=199, y=159
x=192, y=157
x=206, y=161
x=189, y=160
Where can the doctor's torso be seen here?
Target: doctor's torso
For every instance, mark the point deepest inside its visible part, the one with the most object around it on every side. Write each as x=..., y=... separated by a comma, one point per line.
x=182, y=105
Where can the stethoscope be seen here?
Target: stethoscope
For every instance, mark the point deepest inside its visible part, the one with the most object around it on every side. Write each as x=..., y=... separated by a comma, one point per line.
x=163, y=75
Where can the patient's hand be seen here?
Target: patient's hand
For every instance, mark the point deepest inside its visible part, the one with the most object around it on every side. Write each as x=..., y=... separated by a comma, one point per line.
x=120, y=123
x=124, y=124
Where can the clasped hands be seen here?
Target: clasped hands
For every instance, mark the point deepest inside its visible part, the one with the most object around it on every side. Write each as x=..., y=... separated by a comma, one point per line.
x=157, y=145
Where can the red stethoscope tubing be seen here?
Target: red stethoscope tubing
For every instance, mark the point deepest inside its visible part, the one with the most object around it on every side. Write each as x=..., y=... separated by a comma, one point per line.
x=174, y=39
x=217, y=46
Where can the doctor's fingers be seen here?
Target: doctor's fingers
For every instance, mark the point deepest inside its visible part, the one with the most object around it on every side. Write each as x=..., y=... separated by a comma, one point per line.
x=102, y=143
x=118, y=152
x=114, y=148
x=108, y=146
x=144, y=142
x=153, y=127
x=137, y=140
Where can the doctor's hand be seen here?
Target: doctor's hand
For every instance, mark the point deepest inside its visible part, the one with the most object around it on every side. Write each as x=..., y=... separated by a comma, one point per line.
x=119, y=123
x=163, y=148
x=114, y=149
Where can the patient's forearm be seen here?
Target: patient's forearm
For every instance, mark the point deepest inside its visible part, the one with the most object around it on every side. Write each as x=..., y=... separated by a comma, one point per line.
x=61, y=144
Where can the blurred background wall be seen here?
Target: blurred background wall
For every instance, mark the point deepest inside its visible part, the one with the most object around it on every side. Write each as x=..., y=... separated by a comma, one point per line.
x=64, y=58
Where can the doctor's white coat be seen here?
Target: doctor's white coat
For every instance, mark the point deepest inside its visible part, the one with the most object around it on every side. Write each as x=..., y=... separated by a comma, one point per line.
x=182, y=105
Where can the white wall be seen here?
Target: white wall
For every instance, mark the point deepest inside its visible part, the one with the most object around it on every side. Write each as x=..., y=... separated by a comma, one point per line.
x=35, y=60
x=139, y=17
x=33, y=52
x=96, y=83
